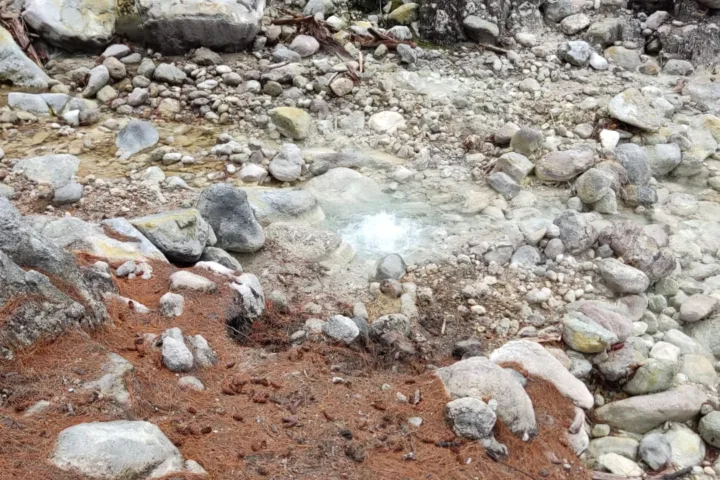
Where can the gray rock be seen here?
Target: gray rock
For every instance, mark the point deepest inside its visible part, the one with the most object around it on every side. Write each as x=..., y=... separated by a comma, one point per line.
x=504, y=135
x=287, y=165
x=99, y=77
x=561, y=166
x=184, y=280
x=503, y=184
x=82, y=24
x=478, y=377
x=575, y=52
x=663, y=158
x=175, y=28
x=471, y=347
x=515, y=165
x=623, y=57
x=654, y=376
x=284, y=205
x=180, y=234
x=655, y=451
x=632, y=107
x=390, y=323
x=176, y=356
x=305, y=45
x=56, y=170
x=206, y=57
x=575, y=23
x=643, y=413
x=146, y=68
x=252, y=294
x=636, y=164
x=688, y=449
x=557, y=10
x=619, y=364
x=584, y=335
x=391, y=266
x=480, y=30
x=341, y=328
x=111, y=384
x=115, y=450
x=407, y=54
x=470, y=418
x=593, y=185
x=627, y=447
x=117, y=50
x=697, y=307
x=218, y=255
x=699, y=369
x=292, y=122
x=203, y=355
x=138, y=96
x=629, y=241
x=227, y=211
x=575, y=232
x=605, y=32
x=169, y=73
x=554, y=248
x=527, y=141
x=172, y=304
x=622, y=278
x=619, y=465
x=597, y=62
x=28, y=102
x=16, y=68
x=135, y=137
x=538, y=362
x=678, y=67
x=607, y=204
x=115, y=67
x=68, y=194
x=192, y=383
x=526, y=256
x=709, y=428
x=326, y=7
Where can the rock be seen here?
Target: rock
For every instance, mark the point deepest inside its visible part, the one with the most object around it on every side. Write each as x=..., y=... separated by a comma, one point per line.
x=504, y=135
x=218, y=255
x=202, y=353
x=252, y=173
x=478, y=377
x=252, y=295
x=342, y=86
x=584, y=335
x=630, y=242
x=619, y=465
x=561, y=166
x=467, y=348
x=479, y=30
x=68, y=194
x=107, y=94
x=166, y=72
x=405, y=14
x=391, y=266
x=56, y=170
x=81, y=24
x=624, y=446
x=678, y=67
x=341, y=328
x=503, y=184
x=605, y=32
x=655, y=451
x=593, y=185
x=558, y=10
x=686, y=446
x=192, y=383
x=172, y=304
x=175, y=355
x=228, y=213
x=575, y=23
x=116, y=450
x=699, y=369
x=654, y=376
x=633, y=108
x=643, y=413
x=175, y=28
x=99, y=77
x=622, y=278
x=527, y=141
x=117, y=50
x=633, y=159
x=135, y=137
x=623, y=57
x=180, y=234
x=697, y=307
x=575, y=52
x=292, y=122
x=526, y=256
x=27, y=102
x=16, y=68
x=326, y=7
x=386, y=122
x=663, y=158
x=284, y=205
x=287, y=165
x=709, y=428
x=185, y=280
x=407, y=54
x=206, y=57
x=536, y=360
x=470, y=418
x=575, y=232
x=305, y=45
x=515, y=165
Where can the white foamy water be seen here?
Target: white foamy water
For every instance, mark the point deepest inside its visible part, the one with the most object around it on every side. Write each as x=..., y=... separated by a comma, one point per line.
x=383, y=233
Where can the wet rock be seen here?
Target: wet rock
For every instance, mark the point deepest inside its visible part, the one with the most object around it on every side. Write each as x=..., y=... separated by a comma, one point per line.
x=561, y=166
x=478, y=377
x=470, y=418
x=227, y=211
x=622, y=278
x=643, y=413
x=116, y=450
x=16, y=68
x=538, y=362
x=180, y=234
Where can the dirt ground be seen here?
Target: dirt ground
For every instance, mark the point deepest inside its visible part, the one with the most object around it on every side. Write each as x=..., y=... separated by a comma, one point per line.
x=270, y=410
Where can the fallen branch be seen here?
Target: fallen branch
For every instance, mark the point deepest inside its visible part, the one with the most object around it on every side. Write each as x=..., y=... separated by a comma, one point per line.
x=317, y=29
x=672, y=475
x=492, y=48
x=17, y=28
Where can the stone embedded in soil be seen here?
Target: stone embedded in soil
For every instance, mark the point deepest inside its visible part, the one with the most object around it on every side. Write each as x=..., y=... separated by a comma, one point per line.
x=184, y=280
x=180, y=234
x=341, y=328
x=470, y=418
x=227, y=211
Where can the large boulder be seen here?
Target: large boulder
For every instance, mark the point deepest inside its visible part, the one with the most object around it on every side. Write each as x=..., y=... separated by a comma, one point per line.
x=180, y=234
x=629, y=241
x=480, y=378
x=635, y=108
x=228, y=212
x=643, y=413
x=538, y=362
x=175, y=26
x=56, y=170
x=16, y=68
x=73, y=24
x=116, y=450
x=284, y=205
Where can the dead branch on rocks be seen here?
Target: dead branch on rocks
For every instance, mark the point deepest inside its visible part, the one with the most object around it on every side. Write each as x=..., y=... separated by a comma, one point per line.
x=318, y=29
x=380, y=38
x=14, y=24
